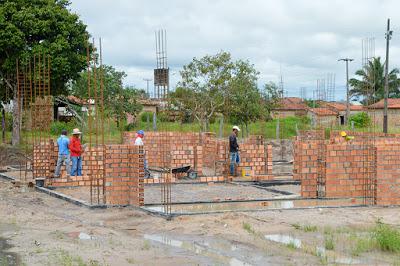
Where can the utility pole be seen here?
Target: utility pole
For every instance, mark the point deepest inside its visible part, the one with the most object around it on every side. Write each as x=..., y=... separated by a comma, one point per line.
x=388, y=36
x=147, y=81
x=347, y=60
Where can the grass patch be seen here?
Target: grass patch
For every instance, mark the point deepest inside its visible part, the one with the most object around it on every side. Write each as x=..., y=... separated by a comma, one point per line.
x=130, y=260
x=291, y=245
x=146, y=245
x=247, y=227
x=310, y=228
x=387, y=237
x=362, y=245
x=306, y=228
x=329, y=243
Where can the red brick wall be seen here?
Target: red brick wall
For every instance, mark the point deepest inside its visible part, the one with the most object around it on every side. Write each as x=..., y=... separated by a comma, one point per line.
x=211, y=152
x=347, y=170
x=43, y=159
x=124, y=175
x=388, y=175
x=306, y=163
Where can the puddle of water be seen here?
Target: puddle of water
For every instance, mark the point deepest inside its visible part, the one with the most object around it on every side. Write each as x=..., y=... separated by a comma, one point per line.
x=284, y=239
x=7, y=258
x=200, y=249
x=282, y=204
x=321, y=251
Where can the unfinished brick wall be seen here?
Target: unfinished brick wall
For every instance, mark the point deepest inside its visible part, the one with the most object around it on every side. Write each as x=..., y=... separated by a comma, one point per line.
x=306, y=163
x=124, y=175
x=347, y=169
x=43, y=159
x=202, y=150
x=92, y=166
x=388, y=175
x=366, y=167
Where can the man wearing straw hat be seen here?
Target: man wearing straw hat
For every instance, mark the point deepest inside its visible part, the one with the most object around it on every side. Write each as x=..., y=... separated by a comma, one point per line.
x=76, y=152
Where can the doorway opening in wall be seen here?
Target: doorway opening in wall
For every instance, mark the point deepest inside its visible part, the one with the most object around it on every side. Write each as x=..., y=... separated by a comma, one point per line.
x=341, y=120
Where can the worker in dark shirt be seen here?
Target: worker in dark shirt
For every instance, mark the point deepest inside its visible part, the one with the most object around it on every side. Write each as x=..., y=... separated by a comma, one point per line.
x=234, y=150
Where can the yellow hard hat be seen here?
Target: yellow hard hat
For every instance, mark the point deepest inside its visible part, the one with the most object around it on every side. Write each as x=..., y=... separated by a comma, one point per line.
x=343, y=134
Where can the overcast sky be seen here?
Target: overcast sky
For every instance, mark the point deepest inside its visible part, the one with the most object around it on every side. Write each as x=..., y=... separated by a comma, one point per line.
x=300, y=39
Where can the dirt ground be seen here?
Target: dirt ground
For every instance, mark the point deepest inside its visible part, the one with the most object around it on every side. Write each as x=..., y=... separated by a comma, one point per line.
x=43, y=230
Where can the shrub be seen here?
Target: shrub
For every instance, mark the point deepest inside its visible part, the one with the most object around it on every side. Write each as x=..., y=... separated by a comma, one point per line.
x=163, y=117
x=8, y=121
x=360, y=120
x=143, y=117
x=387, y=237
x=130, y=127
x=56, y=127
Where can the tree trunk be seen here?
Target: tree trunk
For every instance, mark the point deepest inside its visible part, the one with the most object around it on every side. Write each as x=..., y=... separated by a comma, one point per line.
x=3, y=124
x=16, y=121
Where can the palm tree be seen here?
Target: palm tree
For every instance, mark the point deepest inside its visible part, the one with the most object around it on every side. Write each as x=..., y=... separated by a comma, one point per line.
x=371, y=84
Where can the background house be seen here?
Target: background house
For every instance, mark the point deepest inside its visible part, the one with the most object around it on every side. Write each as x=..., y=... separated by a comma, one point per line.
x=290, y=106
x=340, y=108
x=375, y=111
x=322, y=116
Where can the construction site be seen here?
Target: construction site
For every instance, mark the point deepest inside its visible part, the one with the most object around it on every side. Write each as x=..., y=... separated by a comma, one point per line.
x=306, y=184
x=329, y=195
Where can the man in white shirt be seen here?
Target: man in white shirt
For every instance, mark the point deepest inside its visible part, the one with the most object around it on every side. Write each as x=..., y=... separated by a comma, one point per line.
x=139, y=142
x=139, y=138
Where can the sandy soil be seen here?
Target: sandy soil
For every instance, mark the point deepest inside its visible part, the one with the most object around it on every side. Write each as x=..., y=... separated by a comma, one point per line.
x=45, y=231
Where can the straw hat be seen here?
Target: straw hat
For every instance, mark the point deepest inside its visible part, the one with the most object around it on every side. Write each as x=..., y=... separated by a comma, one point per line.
x=76, y=131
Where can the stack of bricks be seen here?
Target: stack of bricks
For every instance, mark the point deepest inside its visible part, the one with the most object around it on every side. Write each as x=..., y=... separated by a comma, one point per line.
x=124, y=175
x=43, y=161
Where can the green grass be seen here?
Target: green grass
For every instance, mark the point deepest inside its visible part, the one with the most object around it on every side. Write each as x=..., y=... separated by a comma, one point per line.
x=362, y=245
x=130, y=260
x=291, y=245
x=329, y=243
x=247, y=227
x=306, y=228
x=146, y=245
x=387, y=237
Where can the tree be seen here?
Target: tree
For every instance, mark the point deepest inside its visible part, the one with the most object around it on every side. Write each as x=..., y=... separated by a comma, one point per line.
x=271, y=99
x=208, y=80
x=41, y=26
x=371, y=83
x=244, y=97
x=118, y=101
x=181, y=101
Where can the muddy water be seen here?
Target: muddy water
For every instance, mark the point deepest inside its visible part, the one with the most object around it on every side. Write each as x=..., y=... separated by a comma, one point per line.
x=213, y=251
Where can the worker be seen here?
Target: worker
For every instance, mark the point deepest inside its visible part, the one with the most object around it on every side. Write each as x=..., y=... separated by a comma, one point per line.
x=139, y=138
x=234, y=150
x=345, y=136
x=139, y=142
x=76, y=149
x=63, y=154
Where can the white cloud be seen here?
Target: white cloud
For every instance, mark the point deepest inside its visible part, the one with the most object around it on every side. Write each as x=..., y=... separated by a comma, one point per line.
x=304, y=38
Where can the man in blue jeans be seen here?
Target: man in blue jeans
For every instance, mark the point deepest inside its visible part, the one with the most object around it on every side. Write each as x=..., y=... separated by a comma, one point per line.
x=76, y=153
x=234, y=150
x=63, y=154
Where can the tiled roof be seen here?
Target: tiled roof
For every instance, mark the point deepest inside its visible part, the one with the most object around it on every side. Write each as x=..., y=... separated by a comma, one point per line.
x=292, y=103
x=323, y=111
x=392, y=104
x=340, y=107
